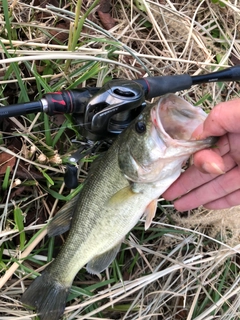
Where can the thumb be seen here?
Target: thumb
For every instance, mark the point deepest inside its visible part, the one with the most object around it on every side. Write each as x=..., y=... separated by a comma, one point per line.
x=208, y=160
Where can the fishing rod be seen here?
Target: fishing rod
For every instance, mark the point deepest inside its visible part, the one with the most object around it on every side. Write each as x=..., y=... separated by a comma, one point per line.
x=105, y=112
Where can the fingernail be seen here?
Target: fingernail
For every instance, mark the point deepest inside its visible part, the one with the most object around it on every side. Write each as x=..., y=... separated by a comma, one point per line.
x=212, y=167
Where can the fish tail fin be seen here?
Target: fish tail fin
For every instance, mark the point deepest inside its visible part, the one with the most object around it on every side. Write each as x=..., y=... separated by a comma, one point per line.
x=47, y=295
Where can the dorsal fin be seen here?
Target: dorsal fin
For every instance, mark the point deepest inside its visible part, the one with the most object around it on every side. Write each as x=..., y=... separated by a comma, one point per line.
x=62, y=220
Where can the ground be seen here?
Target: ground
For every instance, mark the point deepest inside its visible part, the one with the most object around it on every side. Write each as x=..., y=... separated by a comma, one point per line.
x=184, y=266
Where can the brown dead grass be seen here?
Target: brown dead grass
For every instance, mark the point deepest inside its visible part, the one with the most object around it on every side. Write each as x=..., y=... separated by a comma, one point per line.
x=177, y=273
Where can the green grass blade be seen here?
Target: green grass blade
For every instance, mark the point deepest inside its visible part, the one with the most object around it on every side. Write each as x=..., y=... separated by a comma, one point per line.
x=39, y=80
x=48, y=178
x=59, y=133
x=19, y=220
x=15, y=67
x=50, y=249
x=47, y=130
x=6, y=181
x=7, y=20
x=95, y=69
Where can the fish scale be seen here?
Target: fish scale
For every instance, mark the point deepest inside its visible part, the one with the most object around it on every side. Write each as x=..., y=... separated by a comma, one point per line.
x=93, y=203
x=122, y=185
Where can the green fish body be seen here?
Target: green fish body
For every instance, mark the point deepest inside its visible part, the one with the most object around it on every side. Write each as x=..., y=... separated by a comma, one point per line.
x=124, y=184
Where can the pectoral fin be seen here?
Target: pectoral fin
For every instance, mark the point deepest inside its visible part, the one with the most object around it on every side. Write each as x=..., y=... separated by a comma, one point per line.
x=62, y=221
x=101, y=262
x=150, y=212
x=122, y=195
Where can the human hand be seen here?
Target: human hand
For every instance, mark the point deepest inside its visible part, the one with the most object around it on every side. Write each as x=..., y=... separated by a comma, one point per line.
x=214, y=179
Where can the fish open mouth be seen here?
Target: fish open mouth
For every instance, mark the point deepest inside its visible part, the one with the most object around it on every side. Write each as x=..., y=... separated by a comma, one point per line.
x=167, y=144
x=175, y=118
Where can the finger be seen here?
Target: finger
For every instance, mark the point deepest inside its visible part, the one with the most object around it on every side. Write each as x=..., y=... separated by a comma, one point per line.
x=234, y=139
x=190, y=179
x=223, y=118
x=208, y=161
x=193, y=178
x=231, y=200
x=216, y=189
x=197, y=131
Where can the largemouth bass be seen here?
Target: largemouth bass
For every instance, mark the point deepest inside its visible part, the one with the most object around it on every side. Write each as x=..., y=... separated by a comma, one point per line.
x=123, y=186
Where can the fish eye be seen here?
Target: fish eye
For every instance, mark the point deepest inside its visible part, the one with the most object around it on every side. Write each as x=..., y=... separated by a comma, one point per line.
x=140, y=127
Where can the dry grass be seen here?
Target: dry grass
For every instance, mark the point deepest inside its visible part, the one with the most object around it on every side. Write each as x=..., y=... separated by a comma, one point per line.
x=169, y=272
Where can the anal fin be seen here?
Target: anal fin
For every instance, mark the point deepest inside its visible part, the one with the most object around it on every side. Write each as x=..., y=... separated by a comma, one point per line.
x=101, y=262
x=62, y=220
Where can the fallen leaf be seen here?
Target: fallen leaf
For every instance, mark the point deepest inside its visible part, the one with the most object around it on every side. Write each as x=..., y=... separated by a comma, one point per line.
x=104, y=13
x=6, y=160
x=62, y=34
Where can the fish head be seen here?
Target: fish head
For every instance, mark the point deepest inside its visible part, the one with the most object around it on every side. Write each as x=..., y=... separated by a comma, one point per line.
x=159, y=140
